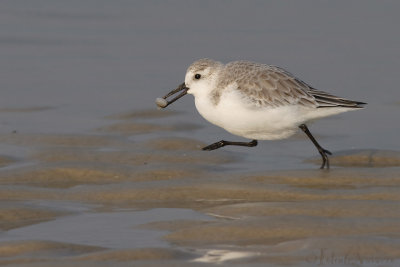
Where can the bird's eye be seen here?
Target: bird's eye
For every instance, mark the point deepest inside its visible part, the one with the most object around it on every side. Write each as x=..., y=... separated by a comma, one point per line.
x=197, y=76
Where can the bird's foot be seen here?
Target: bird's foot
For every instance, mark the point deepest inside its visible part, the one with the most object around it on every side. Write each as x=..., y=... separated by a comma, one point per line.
x=215, y=145
x=325, y=159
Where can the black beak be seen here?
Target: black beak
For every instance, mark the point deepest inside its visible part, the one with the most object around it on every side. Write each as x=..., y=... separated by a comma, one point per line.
x=163, y=102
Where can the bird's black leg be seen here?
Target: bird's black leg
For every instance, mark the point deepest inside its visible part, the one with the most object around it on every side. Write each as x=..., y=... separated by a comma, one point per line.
x=322, y=151
x=222, y=143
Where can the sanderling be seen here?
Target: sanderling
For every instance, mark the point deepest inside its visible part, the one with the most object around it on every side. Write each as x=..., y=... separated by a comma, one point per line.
x=256, y=101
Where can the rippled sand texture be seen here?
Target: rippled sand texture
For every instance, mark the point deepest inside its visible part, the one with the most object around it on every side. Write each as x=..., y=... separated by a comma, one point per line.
x=302, y=217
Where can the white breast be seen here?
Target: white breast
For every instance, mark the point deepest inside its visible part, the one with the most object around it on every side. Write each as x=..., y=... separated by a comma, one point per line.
x=232, y=114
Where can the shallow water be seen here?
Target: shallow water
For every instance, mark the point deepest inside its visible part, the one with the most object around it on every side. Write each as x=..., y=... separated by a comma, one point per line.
x=91, y=173
x=118, y=229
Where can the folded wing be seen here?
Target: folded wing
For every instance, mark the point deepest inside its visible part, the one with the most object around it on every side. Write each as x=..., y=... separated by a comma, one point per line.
x=271, y=86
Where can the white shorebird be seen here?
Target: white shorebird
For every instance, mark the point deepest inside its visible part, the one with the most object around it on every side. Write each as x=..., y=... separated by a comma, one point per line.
x=256, y=101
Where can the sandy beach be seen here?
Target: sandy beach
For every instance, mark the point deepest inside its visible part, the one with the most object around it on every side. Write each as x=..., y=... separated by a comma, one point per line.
x=185, y=205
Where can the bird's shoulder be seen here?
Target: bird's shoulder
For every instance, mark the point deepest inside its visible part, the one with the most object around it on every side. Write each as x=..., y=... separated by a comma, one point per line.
x=266, y=85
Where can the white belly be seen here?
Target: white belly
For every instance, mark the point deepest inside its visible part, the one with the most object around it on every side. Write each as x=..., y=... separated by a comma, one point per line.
x=259, y=123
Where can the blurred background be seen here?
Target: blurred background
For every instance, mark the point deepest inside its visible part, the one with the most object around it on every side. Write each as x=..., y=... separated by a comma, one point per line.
x=65, y=65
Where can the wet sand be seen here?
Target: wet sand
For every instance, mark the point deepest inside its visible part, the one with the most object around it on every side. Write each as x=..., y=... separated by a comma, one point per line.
x=62, y=202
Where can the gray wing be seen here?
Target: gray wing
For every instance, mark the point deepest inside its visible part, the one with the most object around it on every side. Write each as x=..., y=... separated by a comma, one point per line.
x=272, y=86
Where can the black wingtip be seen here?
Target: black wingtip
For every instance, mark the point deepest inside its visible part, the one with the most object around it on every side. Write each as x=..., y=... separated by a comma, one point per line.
x=325, y=102
x=360, y=104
